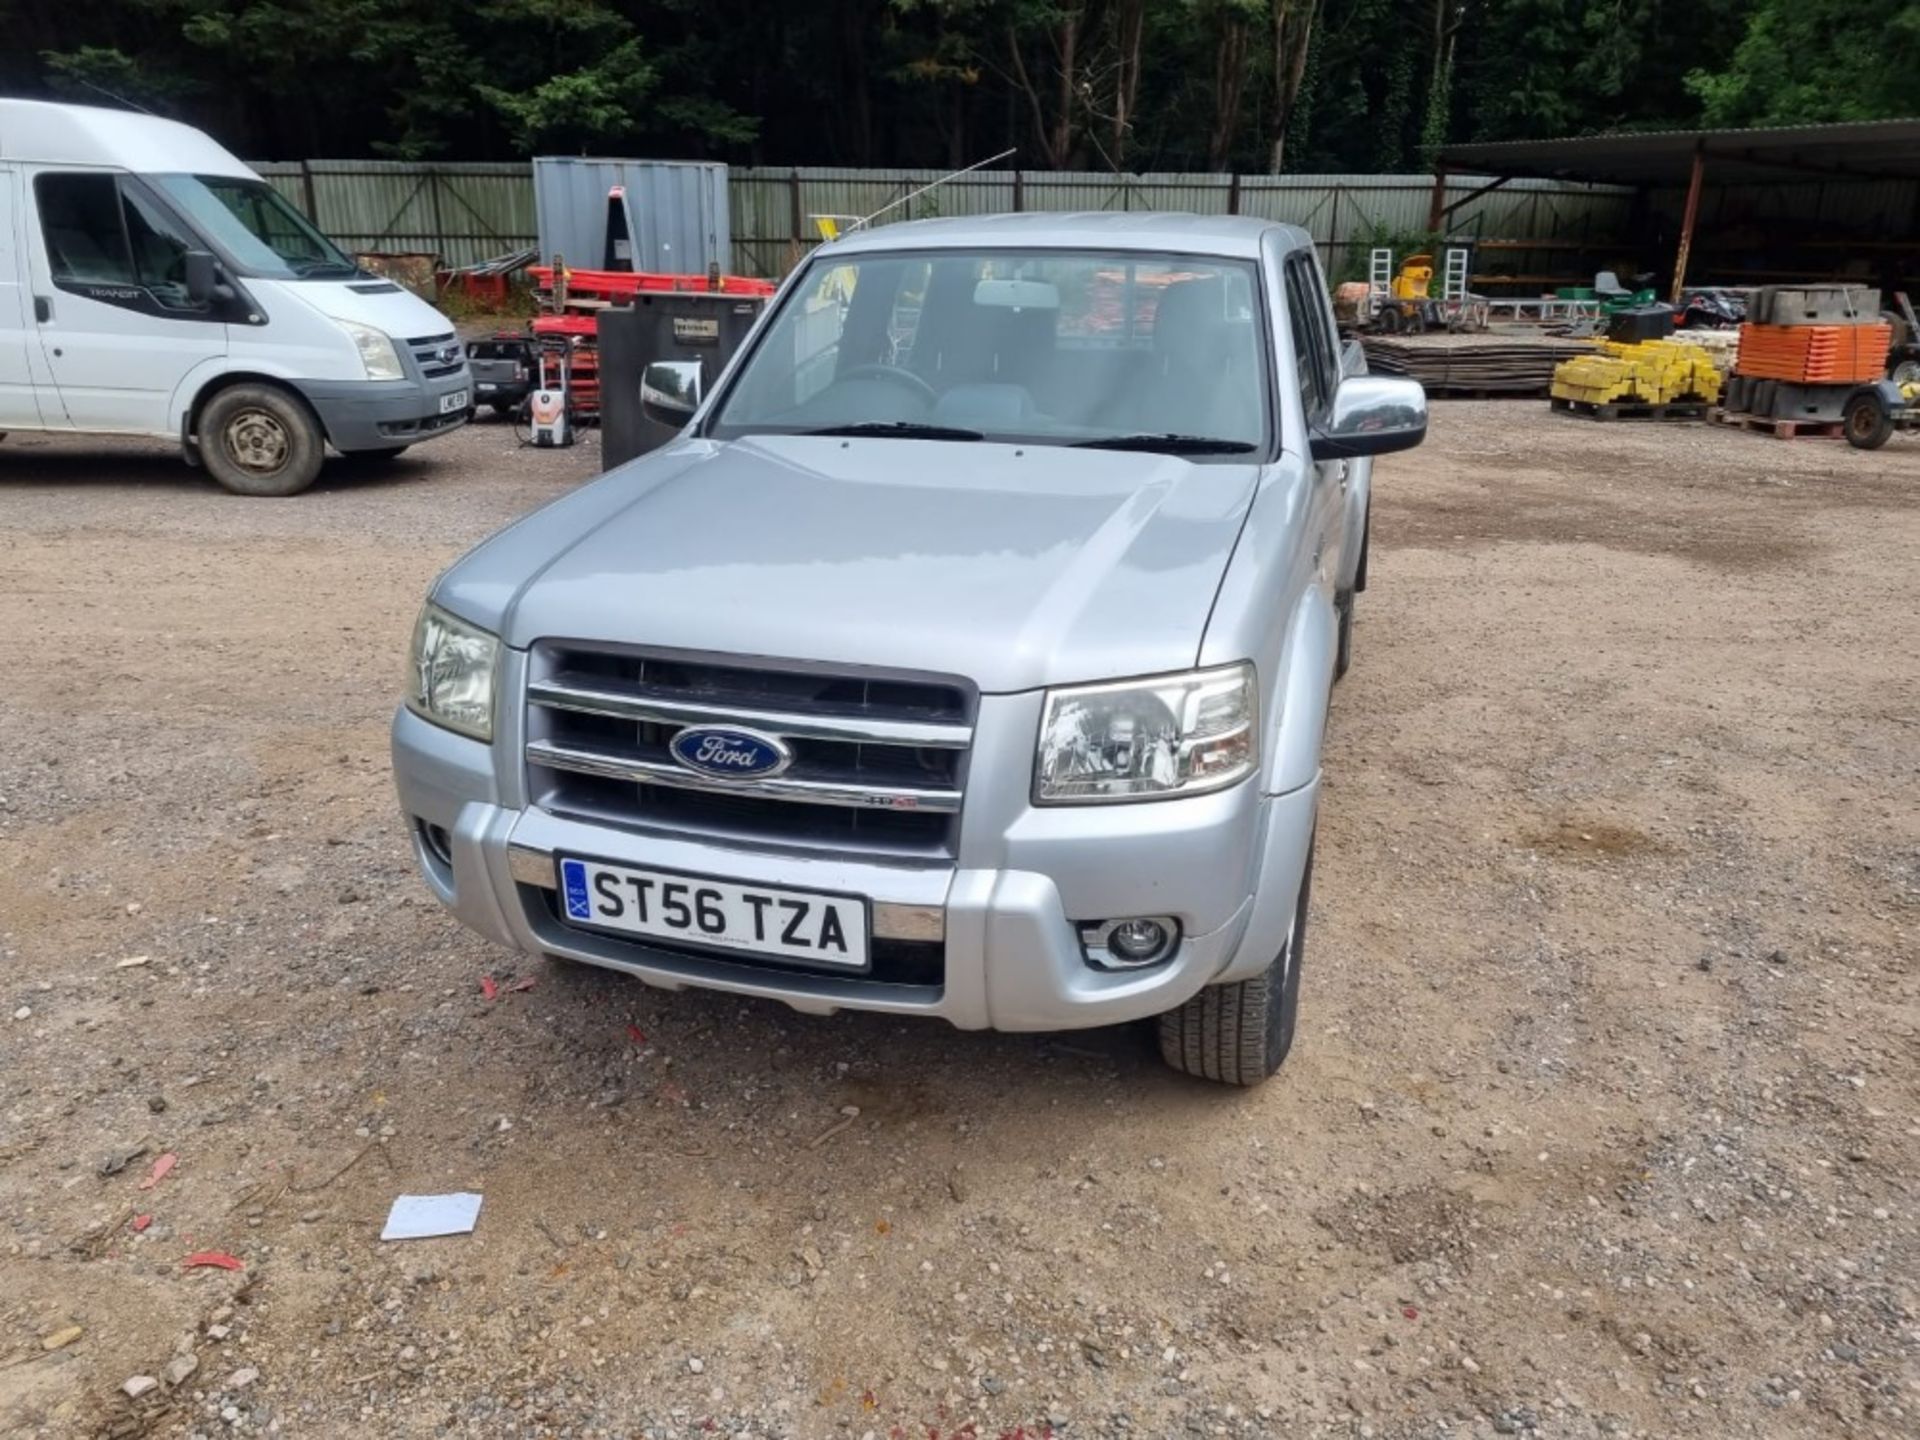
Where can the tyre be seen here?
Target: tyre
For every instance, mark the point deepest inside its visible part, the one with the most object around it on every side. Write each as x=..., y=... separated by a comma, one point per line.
x=375, y=457
x=259, y=440
x=1343, y=653
x=1867, y=421
x=1239, y=1034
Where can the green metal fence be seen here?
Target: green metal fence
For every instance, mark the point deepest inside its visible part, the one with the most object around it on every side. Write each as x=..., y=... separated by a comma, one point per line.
x=464, y=213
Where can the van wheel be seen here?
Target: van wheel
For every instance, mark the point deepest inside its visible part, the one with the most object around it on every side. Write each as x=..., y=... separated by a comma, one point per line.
x=257, y=440
x=1239, y=1034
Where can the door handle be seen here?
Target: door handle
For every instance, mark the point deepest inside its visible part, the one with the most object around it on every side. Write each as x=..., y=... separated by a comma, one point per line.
x=42, y=309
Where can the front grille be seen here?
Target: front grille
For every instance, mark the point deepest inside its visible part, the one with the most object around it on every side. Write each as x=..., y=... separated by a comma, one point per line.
x=438, y=356
x=878, y=763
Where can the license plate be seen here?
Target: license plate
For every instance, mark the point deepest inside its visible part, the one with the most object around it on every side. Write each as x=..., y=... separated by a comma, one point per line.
x=795, y=925
x=450, y=403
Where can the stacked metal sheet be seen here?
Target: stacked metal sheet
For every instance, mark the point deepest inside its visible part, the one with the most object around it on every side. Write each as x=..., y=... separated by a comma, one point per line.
x=1473, y=364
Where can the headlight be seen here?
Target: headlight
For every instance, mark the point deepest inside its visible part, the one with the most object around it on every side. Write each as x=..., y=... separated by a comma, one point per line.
x=376, y=351
x=1147, y=739
x=450, y=673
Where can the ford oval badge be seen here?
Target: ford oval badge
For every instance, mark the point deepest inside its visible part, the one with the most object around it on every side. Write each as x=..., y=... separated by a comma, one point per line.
x=728, y=754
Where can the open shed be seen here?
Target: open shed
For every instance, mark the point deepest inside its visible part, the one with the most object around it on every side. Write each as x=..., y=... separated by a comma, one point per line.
x=1738, y=207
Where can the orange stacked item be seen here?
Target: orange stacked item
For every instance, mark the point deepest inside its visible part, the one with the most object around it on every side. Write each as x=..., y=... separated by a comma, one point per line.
x=1814, y=354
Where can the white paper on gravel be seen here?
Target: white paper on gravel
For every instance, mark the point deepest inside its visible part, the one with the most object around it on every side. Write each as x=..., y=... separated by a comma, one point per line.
x=421, y=1217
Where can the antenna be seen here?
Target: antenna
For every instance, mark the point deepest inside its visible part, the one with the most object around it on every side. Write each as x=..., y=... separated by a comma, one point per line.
x=130, y=104
x=930, y=185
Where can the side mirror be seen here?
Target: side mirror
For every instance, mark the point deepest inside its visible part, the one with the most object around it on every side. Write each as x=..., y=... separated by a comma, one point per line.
x=1371, y=415
x=670, y=391
x=202, y=275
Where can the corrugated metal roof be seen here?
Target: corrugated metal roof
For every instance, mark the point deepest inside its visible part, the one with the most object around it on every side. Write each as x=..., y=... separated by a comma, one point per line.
x=1867, y=149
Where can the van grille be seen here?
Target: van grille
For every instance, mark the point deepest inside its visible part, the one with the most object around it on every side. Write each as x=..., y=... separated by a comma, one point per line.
x=878, y=760
x=438, y=356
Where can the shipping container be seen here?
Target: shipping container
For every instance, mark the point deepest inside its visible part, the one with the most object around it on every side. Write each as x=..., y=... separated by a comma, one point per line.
x=671, y=215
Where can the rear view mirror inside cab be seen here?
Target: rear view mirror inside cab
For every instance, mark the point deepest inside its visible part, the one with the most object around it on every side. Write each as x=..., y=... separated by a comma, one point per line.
x=1017, y=294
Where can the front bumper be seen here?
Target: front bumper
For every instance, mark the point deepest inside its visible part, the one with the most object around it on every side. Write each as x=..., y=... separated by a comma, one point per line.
x=380, y=414
x=1006, y=914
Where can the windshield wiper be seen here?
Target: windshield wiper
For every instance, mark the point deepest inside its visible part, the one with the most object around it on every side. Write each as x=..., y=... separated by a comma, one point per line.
x=314, y=269
x=899, y=430
x=1169, y=442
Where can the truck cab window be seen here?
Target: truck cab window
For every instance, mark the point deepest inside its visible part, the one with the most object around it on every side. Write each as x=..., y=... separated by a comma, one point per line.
x=111, y=244
x=1310, y=356
x=159, y=252
x=80, y=221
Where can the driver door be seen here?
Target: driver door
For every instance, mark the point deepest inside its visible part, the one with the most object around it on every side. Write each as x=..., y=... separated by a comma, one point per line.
x=114, y=321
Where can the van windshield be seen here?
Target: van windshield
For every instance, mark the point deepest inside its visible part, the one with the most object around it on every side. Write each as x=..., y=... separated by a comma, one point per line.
x=257, y=228
x=1054, y=347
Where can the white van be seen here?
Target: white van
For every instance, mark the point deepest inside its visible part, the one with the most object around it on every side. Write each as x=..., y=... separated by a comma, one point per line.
x=151, y=284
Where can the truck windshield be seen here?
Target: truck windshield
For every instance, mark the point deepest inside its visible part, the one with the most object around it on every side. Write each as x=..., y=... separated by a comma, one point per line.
x=1134, y=351
x=257, y=228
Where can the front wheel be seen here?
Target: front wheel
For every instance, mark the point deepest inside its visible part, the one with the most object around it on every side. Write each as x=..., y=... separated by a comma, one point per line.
x=1240, y=1034
x=258, y=440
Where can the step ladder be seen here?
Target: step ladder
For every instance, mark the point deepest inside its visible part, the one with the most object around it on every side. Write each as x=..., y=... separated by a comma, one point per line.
x=1453, y=279
x=1379, y=274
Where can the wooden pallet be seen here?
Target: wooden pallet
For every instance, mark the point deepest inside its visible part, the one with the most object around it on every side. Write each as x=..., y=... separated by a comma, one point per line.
x=1631, y=409
x=1783, y=429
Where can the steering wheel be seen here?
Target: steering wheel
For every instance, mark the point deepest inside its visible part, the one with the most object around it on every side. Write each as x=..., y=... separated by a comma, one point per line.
x=894, y=373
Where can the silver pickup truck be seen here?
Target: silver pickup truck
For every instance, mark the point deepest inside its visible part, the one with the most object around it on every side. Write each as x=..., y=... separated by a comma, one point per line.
x=966, y=655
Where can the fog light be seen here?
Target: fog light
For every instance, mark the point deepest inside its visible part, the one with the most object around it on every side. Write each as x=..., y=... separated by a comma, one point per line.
x=1137, y=940
x=1130, y=944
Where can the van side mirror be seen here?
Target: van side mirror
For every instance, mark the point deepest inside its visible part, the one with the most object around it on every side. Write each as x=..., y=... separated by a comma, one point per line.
x=203, y=278
x=201, y=275
x=670, y=391
x=1371, y=415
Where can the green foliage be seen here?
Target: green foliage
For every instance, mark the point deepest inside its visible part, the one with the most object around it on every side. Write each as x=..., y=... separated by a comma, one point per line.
x=1127, y=84
x=93, y=74
x=1351, y=261
x=1817, y=60
x=579, y=108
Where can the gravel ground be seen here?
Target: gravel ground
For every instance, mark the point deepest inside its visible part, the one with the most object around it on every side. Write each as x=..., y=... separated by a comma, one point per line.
x=1603, y=1118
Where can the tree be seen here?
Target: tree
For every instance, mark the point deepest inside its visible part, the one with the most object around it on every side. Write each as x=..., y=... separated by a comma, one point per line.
x=1293, y=22
x=1816, y=60
x=1109, y=84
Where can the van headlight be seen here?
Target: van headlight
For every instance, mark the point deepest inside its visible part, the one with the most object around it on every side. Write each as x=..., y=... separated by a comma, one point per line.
x=450, y=673
x=1147, y=739
x=377, y=354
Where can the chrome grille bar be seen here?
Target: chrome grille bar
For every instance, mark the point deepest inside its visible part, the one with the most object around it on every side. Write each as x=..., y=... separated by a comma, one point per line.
x=638, y=705
x=781, y=787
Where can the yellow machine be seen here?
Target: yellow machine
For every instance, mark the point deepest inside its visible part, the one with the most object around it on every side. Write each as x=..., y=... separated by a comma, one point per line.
x=1416, y=274
x=1407, y=307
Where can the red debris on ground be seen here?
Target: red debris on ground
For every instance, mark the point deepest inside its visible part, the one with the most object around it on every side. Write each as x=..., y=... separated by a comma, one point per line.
x=218, y=1258
x=1410, y=1312
x=636, y=1035
x=140, y=1222
x=160, y=1168
x=488, y=990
